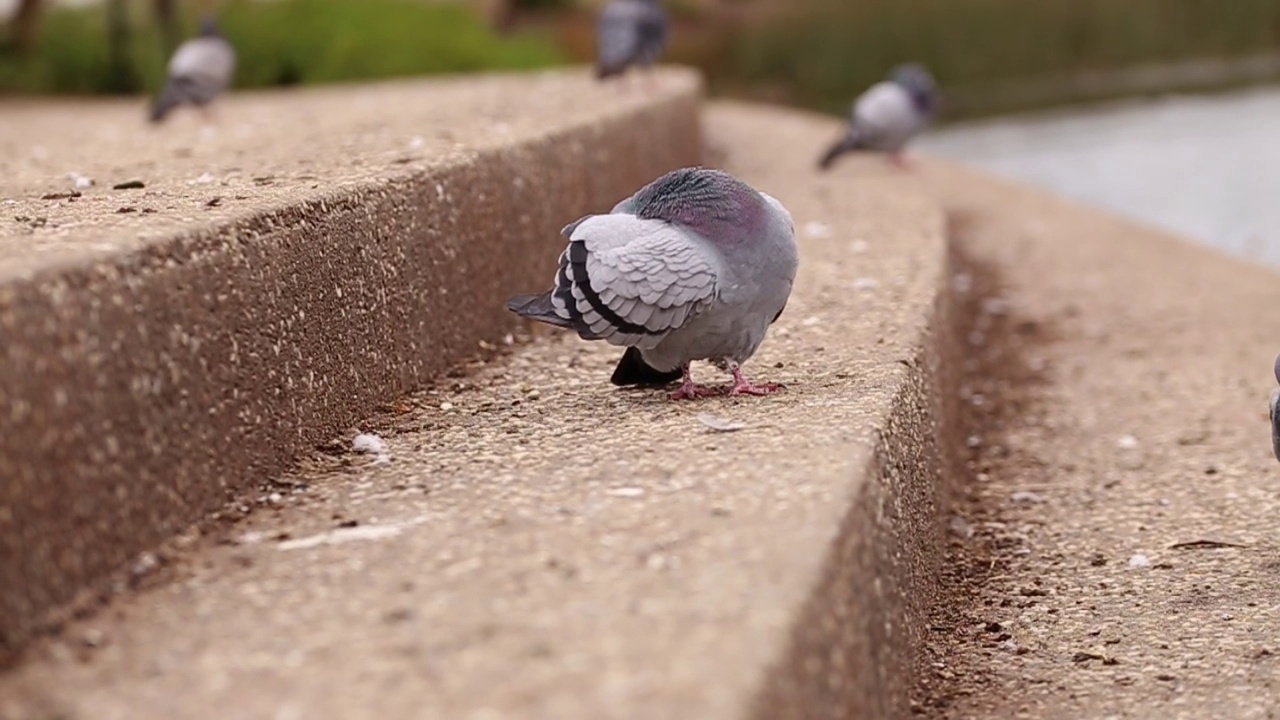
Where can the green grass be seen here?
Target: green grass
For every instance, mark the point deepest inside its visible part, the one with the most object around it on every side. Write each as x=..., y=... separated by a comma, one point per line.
x=278, y=43
x=822, y=54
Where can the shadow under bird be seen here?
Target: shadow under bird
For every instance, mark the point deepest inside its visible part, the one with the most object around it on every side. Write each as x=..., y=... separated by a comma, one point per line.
x=629, y=33
x=1275, y=413
x=888, y=115
x=199, y=71
x=694, y=266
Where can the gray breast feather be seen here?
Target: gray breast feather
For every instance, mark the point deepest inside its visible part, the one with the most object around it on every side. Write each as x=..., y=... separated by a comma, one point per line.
x=631, y=281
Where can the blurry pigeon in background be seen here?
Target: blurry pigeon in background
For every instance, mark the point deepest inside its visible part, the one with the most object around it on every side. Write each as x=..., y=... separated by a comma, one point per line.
x=1275, y=413
x=888, y=115
x=200, y=69
x=629, y=32
x=695, y=266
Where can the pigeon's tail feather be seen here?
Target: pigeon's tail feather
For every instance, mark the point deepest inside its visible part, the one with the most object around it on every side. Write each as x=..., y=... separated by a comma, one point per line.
x=633, y=370
x=170, y=98
x=199, y=90
x=609, y=70
x=850, y=142
x=537, y=307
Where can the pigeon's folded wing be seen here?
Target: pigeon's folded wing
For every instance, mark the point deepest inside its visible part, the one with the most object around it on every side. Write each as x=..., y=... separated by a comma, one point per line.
x=631, y=281
x=209, y=59
x=884, y=114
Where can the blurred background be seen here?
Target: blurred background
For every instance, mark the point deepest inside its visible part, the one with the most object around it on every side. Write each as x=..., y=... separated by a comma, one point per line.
x=1201, y=166
x=992, y=56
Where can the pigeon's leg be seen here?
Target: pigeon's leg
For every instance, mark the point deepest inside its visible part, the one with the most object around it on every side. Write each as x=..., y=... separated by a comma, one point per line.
x=650, y=78
x=208, y=114
x=899, y=160
x=743, y=386
x=690, y=391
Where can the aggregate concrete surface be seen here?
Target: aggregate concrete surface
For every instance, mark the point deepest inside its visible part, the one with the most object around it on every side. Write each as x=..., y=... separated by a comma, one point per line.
x=253, y=287
x=535, y=543
x=1123, y=560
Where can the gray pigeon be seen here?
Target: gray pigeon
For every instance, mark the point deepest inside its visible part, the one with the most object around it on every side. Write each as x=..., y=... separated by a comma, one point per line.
x=200, y=69
x=629, y=32
x=1275, y=413
x=888, y=115
x=695, y=266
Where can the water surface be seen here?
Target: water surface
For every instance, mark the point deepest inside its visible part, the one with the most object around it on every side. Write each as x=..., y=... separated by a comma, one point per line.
x=1204, y=166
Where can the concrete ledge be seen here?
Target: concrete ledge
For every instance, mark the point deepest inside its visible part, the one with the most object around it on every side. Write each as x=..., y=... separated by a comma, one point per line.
x=542, y=545
x=857, y=642
x=318, y=253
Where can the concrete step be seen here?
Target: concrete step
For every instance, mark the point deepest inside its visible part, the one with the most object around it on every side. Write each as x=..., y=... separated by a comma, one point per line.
x=538, y=544
x=224, y=298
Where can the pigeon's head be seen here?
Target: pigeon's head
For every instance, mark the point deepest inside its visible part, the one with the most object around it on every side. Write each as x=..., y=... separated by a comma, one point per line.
x=1277, y=368
x=919, y=83
x=209, y=26
x=712, y=203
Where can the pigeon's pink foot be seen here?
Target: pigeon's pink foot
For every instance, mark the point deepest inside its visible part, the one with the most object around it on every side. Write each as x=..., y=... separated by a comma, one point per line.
x=746, y=387
x=900, y=160
x=743, y=386
x=691, y=391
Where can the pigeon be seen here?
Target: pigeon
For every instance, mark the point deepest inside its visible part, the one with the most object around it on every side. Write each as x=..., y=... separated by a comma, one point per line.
x=629, y=32
x=888, y=115
x=696, y=265
x=200, y=69
x=1275, y=413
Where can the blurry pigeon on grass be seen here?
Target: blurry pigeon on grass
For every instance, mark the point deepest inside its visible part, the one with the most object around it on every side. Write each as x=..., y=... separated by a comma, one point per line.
x=199, y=71
x=888, y=115
x=695, y=266
x=1275, y=413
x=629, y=32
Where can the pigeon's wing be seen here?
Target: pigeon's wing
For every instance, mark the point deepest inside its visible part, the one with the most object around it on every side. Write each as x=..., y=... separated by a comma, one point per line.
x=618, y=36
x=884, y=116
x=631, y=281
x=208, y=62
x=198, y=72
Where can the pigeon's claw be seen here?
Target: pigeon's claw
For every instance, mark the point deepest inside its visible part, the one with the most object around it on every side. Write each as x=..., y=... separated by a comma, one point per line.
x=743, y=386
x=690, y=390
